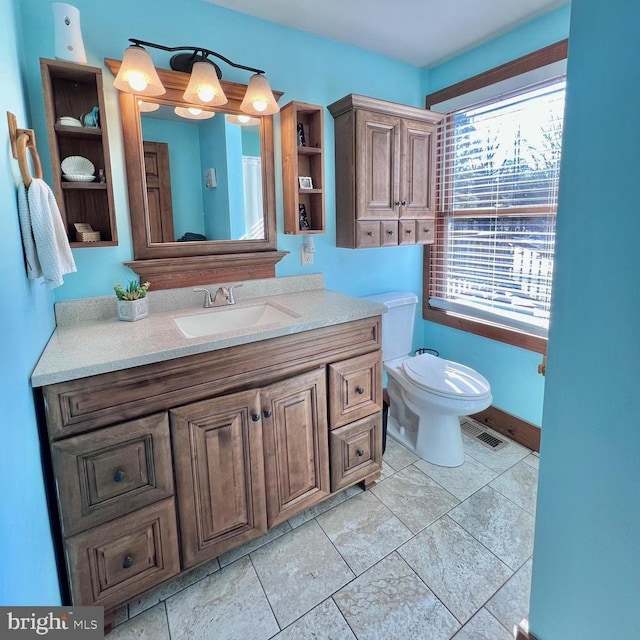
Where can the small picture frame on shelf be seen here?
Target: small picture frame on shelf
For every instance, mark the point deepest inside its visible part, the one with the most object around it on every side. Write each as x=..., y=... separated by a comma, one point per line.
x=302, y=141
x=305, y=182
x=303, y=220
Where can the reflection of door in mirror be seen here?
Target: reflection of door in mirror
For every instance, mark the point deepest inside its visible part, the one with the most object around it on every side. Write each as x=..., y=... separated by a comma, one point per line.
x=231, y=210
x=158, y=176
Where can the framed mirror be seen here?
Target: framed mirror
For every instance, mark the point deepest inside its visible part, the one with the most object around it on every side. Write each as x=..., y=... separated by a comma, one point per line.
x=201, y=187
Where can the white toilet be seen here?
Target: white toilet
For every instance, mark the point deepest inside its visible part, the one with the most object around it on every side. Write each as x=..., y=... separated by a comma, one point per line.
x=427, y=394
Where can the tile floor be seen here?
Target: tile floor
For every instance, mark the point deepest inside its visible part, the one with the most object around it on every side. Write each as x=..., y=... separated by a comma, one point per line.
x=428, y=553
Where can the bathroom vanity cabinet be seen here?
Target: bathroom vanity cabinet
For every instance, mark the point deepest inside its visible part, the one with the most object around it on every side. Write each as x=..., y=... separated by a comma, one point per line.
x=161, y=467
x=385, y=173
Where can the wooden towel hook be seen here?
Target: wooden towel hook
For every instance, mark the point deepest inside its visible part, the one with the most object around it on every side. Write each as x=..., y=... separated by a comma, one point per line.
x=21, y=140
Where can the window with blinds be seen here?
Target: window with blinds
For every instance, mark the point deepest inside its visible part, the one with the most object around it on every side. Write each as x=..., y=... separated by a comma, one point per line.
x=498, y=174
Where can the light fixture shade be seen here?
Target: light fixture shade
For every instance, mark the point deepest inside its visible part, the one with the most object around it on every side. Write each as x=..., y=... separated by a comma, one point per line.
x=194, y=113
x=137, y=74
x=259, y=99
x=147, y=107
x=243, y=121
x=204, y=86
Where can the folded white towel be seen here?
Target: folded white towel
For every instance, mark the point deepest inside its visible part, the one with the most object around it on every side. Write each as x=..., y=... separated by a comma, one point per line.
x=45, y=241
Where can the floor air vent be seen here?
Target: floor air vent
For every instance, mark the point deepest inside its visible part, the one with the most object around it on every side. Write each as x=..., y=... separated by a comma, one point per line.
x=475, y=430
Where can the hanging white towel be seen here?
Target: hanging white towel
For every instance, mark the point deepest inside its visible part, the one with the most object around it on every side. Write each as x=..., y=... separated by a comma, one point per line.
x=46, y=245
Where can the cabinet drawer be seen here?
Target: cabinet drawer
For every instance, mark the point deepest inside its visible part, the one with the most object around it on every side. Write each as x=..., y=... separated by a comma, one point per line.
x=113, y=471
x=367, y=234
x=116, y=561
x=388, y=233
x=355, y=389
x=407, y=233
x=425, y=231
x=356, y=451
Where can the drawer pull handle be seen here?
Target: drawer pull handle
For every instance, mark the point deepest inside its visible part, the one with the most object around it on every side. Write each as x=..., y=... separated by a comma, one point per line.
x=266, y=413
x=128, y=562
x=408, y=231
x=426, y=230
x=360, y=453
x=390, y=232
x=118, y=476
x=359, y=390
x=255, y=417
x=369, y=233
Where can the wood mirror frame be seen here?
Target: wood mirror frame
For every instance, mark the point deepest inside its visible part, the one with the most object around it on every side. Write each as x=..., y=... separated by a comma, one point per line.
x=181, y=264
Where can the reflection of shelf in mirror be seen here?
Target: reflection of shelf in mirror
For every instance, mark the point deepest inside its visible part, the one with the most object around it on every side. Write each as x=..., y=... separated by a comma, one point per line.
x=84, y=185
x=308, y=151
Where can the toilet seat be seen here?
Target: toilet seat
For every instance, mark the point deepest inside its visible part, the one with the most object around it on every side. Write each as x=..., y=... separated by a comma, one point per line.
x=445, y=378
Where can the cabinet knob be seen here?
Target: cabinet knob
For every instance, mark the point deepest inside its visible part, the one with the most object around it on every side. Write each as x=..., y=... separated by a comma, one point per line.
x=397, y=203
x=407, y=231
x=118, y=476
x=360, y=453
x=427, y=230
x=404, y=203
x=359, y=390
x=128, y=562
x=369, y=233
x=390, y=232
x=266, y=413
x=255, y=417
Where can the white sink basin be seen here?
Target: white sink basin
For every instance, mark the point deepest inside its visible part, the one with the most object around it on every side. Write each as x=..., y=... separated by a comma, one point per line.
x=232, y=319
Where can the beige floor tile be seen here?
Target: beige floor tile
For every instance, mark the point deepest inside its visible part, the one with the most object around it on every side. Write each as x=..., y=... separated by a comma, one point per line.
x=317, y=509
x=363, y=530
x=533, y=459
x=387, y=471
x=511, y=603
x=483, y=626
x=168, y=589
x=228, y=604
x=150, y=625
x=299, y=570
x=520, y=485
x=461, y=481
x=390, y=601
x=325, y=622
x=416, y=499
x=499, y=460
x=397, y=456
x=455, y=566
x=246, y=549
x=499, y=524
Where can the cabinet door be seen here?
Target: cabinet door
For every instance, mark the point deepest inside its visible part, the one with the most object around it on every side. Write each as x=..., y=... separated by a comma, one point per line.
x=219, y=468
x=296, y=445
x=417, y=174
x=377, y=165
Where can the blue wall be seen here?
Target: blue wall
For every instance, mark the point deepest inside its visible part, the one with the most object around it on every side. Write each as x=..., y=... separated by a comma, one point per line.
x=27, y=568
x=585, y=567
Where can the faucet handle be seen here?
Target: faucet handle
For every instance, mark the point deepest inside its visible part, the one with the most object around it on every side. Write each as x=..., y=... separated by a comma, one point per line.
x=208, y=302
x=231, y=299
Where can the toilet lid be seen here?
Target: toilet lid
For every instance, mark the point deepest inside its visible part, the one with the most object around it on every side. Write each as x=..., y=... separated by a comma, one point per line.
x=446, y=378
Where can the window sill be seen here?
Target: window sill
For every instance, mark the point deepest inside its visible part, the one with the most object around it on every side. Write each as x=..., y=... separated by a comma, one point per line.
x=484, y=328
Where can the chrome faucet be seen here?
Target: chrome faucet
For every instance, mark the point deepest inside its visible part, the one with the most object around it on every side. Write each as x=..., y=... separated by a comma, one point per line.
x=223, y=296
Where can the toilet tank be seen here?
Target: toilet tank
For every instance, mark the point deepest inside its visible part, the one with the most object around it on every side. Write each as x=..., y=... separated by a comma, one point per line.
x=397, y=323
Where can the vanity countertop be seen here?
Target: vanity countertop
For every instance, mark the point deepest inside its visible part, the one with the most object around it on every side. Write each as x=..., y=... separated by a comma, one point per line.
x=97, y=345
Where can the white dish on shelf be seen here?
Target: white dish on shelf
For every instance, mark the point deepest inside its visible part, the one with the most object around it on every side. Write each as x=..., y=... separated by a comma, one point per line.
x=69, y=121
x=78, y=166
x=78, y=178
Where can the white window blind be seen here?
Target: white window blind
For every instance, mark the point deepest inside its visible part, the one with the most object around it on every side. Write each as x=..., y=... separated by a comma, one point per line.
x=498, y=173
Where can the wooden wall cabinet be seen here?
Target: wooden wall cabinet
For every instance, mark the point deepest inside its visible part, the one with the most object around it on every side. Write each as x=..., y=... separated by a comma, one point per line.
x=73, y=90
x=385, y=173
x=302, y=133
x=250, y=442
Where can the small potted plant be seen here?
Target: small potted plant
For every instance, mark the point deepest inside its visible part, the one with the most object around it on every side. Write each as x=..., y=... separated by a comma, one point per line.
x=133, y=303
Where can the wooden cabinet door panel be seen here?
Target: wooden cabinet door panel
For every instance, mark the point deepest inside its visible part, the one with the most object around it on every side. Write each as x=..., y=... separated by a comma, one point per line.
x=378, y=165
x=417, y=176
x=219, y=465
x=295, y=444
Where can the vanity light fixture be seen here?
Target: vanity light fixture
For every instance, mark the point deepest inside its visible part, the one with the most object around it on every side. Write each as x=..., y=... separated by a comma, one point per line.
x=194, y=113
x=243, y=121
x=147, y=107
x=138, y=75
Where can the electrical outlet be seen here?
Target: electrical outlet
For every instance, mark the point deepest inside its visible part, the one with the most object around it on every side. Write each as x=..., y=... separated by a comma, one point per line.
x=306, y=257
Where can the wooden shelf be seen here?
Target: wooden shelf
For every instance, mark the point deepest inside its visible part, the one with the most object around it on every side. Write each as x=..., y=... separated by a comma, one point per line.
x=71, y=89
x=302, y=160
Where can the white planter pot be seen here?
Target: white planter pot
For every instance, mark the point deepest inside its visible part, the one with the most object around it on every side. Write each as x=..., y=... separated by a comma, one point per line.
x=132, y=310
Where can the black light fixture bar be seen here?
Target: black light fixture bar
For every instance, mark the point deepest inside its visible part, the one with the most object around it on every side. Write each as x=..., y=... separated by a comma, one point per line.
x=184, y=62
